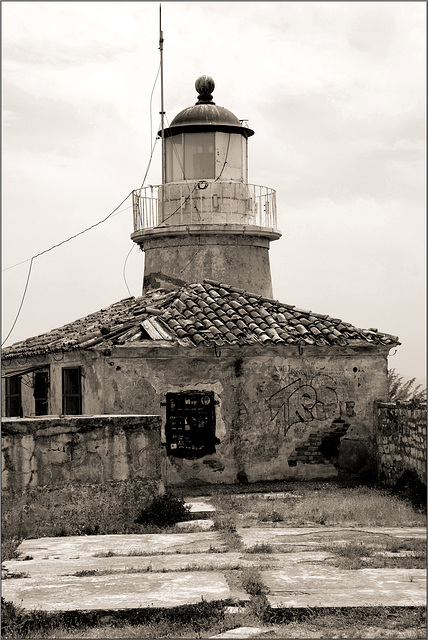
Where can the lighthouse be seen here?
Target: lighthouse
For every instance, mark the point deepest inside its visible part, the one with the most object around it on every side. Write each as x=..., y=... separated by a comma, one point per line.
x=206, y=221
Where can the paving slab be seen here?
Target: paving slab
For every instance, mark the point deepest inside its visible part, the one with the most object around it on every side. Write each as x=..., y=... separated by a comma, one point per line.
x=165, y=570
x=272, y=495
x=199, y=505
x=325, y=586
x=115, y=592
x=232, y=560
x=397, y=532
x=148, y=544
x=196, y=525
x=243, y=632
x=171, y=562
x=281, y=535
x=283, y=495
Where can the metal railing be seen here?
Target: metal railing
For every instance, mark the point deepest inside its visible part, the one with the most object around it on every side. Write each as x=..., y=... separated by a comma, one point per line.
x=204, y=202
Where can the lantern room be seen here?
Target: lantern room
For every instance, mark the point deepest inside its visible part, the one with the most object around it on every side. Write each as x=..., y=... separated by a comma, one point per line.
x=205, y=221
x=206, y=142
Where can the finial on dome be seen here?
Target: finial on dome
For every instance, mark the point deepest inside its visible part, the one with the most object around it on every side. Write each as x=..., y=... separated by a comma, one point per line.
x=205, y=86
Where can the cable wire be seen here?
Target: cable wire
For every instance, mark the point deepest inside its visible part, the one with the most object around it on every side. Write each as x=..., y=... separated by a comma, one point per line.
x=124, y=267
x=85, y=230
x=150, y=161
x=152, y=146
x=151, y=97
x=88, y=228
x=22, y=301
x=54, y=247
x=12, y=266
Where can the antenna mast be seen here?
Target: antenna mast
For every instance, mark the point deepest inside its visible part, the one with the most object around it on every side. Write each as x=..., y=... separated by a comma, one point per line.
x=162, y=113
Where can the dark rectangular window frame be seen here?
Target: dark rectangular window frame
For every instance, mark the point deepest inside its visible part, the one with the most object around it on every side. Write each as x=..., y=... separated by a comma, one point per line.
x=13, y=397
x=71, y=399
x=41, y=401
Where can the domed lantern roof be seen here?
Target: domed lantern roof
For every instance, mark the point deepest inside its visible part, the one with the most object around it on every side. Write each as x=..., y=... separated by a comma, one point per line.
x=205, y=115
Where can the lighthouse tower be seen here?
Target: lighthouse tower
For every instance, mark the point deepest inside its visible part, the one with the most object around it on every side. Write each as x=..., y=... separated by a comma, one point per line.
x=206, y=221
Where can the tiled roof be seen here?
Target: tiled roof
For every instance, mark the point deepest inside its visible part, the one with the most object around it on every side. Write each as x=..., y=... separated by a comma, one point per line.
x=200, y=314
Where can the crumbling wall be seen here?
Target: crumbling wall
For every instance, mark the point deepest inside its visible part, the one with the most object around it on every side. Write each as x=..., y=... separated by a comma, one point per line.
x=401, y=440
x=279, y=412
x=54, y=451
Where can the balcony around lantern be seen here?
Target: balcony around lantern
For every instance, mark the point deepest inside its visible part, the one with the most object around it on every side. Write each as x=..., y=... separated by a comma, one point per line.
x=204, y=207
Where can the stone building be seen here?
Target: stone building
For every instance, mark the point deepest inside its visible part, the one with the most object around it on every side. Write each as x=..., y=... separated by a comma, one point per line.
x=248, y=388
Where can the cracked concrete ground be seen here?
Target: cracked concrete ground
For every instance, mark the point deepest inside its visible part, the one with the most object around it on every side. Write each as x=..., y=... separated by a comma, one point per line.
x=116, y=572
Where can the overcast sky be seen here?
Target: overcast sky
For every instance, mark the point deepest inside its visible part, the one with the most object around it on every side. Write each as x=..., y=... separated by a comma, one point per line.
x=335, y=92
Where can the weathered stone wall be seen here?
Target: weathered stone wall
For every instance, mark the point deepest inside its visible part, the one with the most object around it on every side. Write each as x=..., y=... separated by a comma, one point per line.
x=54, y=451
x=401, y=440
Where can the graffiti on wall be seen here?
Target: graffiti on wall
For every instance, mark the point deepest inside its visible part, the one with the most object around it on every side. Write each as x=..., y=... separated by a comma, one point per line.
x=305, y=401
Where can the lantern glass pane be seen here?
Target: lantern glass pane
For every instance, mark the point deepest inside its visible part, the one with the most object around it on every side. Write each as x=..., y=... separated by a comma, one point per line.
x=199, y=158
x=174, y=158
x=229, y=156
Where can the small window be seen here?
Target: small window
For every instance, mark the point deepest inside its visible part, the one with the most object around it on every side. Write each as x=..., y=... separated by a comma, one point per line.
x=190, y=424
x=41, y=390
x=71, y=391
x=13, y=397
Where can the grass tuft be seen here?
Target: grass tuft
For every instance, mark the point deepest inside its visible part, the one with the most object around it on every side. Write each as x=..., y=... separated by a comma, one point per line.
x=260, y=548
x=164, y=511
x=252, y=582
x=270, y=516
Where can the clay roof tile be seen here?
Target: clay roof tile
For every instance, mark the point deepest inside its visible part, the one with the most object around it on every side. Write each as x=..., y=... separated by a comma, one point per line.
x=191, y=310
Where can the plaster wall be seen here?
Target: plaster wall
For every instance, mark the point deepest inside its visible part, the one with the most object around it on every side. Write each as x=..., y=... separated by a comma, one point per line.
x=54, y=451
x=280, y=414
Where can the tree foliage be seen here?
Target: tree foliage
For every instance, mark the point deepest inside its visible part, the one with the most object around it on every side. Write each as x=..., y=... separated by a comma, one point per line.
x=401, y=390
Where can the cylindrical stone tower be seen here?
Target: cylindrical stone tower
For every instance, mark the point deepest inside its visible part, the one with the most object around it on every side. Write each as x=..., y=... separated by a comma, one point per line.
x=206, y=221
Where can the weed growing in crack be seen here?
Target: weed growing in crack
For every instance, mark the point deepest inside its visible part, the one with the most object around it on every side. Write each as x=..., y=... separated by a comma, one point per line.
x=252, y=582
x=270, y=516
x=260, y=548
x=105, y=554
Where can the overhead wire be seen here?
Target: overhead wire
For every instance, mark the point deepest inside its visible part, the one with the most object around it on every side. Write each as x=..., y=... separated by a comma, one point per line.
x=110, y=215
x=22, y=301
x=59, y=244
x=124, y=267
x=152, y=148
x=150, y=161
x=151, y=98
x=113, y=213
